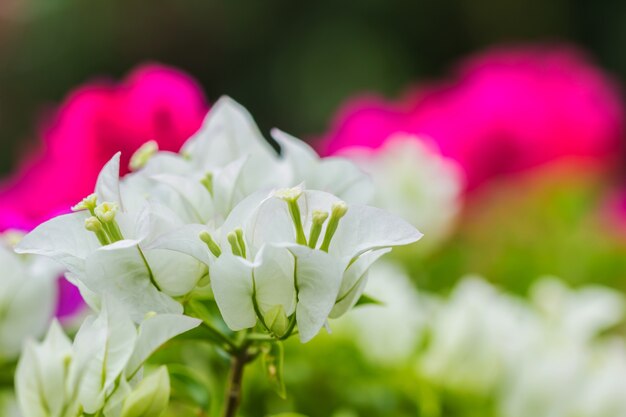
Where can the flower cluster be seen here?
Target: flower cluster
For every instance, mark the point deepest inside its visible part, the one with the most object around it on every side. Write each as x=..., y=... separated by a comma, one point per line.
x=101, y=372
x=280, y=241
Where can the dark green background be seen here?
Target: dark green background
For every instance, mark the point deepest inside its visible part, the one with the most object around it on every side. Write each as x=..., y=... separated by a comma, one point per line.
x=290, y=62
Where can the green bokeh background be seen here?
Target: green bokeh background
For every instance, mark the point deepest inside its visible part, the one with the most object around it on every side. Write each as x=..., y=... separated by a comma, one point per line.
x=291, y=63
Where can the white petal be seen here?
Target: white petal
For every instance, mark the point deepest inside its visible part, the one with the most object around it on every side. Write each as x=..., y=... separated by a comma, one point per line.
x=185, y=240
x=63, y=239
x=197, y=199
x=118, y=270
x=227, y=134
x=154, y=332
x=102, y=348
x=337, y=176
x=274, y=279
x=354, y=281
x=318, y=277
x=364, y=228
x=41, y=374
x=108, y=183
x=28, y=311
x=231, y=280
x=175, y=273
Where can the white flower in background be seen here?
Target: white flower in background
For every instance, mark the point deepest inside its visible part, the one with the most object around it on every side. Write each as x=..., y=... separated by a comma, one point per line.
x=387, y=333
x=414, y=181
x=28, y=296
x=576, y=315
x=100, y=370
x=567, y=370
x=473, y=338
x=542, y=358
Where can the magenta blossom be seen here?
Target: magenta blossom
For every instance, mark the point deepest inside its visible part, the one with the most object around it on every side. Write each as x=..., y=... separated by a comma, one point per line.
x=507, y=110
x=95, y=121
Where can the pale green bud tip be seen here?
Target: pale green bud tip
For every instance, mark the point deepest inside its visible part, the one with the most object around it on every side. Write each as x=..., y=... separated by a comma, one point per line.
x=93, y=224
x=319, y=216
x=106, y=211
x=289, y=194
x=234, y=244
x=12, y=237
x=207, y=182
x=142, y=155
x=87, y=203
x=339, y=209
x=149, y=315
x=208, y=240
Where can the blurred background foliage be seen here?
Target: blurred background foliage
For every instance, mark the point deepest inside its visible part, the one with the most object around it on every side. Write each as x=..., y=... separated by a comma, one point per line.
x=290, y=63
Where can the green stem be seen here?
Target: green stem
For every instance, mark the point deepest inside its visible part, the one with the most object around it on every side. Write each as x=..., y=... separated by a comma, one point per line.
x=234, y=389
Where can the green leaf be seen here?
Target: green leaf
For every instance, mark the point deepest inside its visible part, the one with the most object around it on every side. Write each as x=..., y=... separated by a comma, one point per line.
x=288, y=415
x=367, y=300
x=273, y=358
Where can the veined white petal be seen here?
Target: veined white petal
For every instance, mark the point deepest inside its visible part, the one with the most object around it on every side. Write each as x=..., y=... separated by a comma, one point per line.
x=365, y=228
x=274, y=278
x=63, y=239
x=354, y=281
x=119, y=270
x=102, y=348
x=318, y=277
x=155, y=331
x=197, y=199
x=108, y=183
x=231, y=280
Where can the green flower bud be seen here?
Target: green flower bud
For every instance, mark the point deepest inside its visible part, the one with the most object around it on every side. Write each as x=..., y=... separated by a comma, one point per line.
x=93, y=224
x=87, y=203
x=142, y=155
x=106, y=211
x=277, y=321
x=150, y=398
x=211, y=244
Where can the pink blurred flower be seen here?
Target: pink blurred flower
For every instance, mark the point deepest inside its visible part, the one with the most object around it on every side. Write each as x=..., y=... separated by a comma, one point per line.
x=98, y=119
x=507, y=110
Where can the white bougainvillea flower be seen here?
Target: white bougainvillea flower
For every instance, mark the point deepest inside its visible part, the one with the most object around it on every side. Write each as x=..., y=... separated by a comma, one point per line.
x=57, y=378
x=28, y=296
x=294, y=250
x=102, y=245
x=42, y=377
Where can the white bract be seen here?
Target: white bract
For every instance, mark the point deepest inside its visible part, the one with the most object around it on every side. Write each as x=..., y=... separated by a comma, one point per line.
x=28, y=296
x=99, y=372
x=413, y=180
x=136, y=239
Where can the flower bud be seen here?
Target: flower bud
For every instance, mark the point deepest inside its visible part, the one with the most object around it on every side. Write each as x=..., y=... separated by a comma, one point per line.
x=87, y=203
x=151, y=396
x=289, y=194
x=93, y=224
x=106, y=211
x=211, y=244
x=142, y=155
x=277, y=321
x=337, y=211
